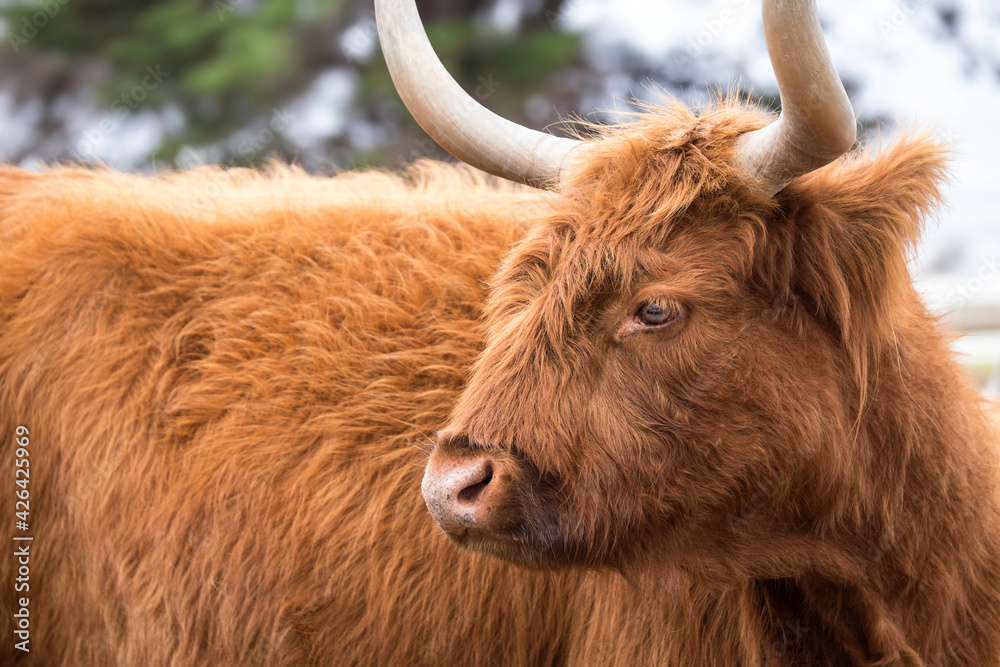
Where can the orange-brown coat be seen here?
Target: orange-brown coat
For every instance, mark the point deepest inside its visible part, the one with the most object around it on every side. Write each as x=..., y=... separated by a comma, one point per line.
x=231, y=379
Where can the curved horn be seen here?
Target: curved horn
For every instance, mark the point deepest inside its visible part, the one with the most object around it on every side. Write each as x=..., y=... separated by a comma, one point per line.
x=817, y=123
x=455, y=120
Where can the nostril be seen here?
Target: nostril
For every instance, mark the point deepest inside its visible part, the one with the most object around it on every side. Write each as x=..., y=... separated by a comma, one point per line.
x=469, y=494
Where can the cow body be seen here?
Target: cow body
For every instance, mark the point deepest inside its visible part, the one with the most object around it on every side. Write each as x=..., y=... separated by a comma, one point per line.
x=230, y=379
x=226, y=405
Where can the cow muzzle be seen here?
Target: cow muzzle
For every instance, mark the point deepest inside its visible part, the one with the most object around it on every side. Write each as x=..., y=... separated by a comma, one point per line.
x=468, y=492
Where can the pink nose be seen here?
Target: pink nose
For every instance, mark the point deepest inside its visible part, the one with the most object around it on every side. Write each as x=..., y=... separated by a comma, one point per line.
x=459, y=493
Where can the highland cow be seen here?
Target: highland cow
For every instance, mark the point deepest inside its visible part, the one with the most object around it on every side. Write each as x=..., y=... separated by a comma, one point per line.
x=699, y=417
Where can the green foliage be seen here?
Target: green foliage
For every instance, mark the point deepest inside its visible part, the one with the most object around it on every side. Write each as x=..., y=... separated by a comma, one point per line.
x=471, y=54
x=228, y=64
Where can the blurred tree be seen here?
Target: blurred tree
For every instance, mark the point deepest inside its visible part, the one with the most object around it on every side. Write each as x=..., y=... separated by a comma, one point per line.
x=135, y=82
x=220, y=74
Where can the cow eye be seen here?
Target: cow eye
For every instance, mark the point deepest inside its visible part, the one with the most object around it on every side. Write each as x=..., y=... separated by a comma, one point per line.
x=656, y=313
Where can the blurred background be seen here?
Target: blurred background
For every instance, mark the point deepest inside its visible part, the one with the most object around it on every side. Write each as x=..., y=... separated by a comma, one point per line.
x=148, y=85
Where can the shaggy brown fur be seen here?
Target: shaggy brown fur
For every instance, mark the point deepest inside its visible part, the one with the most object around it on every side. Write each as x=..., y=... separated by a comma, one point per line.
x=230, y=378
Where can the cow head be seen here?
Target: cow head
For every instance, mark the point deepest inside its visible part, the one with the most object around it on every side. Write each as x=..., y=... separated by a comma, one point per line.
x=677, y=344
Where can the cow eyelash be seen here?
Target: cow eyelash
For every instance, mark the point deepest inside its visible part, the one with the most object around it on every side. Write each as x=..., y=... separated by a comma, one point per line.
x=657, y=313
